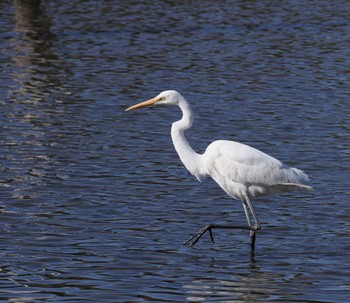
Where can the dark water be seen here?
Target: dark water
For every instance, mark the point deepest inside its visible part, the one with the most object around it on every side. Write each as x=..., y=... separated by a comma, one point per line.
x=94, y=201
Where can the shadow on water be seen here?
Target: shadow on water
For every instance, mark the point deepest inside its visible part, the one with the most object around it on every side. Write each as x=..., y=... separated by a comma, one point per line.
x=247, y=284
x=276, y=274
x=37, y=70
x=30, y=106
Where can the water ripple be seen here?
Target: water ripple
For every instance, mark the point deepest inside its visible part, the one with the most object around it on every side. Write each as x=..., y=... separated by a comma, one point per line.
x=94, y=203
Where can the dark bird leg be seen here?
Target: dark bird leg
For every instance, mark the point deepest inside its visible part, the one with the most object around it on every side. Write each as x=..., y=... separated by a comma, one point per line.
x=209, y=228
x=248, y=207
x=252, y=232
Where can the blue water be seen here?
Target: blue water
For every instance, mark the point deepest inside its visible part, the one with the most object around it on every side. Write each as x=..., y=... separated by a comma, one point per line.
x=94, y=202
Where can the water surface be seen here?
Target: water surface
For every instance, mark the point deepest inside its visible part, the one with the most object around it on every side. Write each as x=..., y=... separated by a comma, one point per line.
x=94, y=201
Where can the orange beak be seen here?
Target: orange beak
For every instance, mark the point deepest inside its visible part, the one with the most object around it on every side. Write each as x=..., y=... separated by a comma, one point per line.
x=142, y=104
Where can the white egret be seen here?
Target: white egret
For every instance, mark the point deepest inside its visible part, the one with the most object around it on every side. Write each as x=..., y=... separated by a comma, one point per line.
x=243, y=172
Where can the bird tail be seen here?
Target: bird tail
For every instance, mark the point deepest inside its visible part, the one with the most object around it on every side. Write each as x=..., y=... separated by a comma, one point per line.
x=297, y=186
x=302, y=180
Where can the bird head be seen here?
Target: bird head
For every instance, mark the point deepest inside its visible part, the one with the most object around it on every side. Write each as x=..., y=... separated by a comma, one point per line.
x=168, y=97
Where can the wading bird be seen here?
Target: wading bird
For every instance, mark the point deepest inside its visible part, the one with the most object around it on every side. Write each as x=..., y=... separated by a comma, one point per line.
x=243, y=172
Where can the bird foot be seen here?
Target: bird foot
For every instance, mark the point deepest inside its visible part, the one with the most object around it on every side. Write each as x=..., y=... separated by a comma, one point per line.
x=199, y=234
x=209, y=228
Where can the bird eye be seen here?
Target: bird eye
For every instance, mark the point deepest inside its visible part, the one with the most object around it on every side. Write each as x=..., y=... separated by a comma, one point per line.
x=162, y=99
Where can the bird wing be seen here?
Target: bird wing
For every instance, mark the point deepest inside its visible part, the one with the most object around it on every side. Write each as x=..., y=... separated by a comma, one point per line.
x=240, y=170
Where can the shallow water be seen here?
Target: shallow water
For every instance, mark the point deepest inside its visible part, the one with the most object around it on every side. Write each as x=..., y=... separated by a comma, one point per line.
x=94, y=201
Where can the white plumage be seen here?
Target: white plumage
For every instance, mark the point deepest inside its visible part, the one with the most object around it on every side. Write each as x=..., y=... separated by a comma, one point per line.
x=248, y=171
x=243, y=172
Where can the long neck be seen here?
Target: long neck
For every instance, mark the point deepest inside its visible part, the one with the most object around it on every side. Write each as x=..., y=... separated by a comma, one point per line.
x=188, y=156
